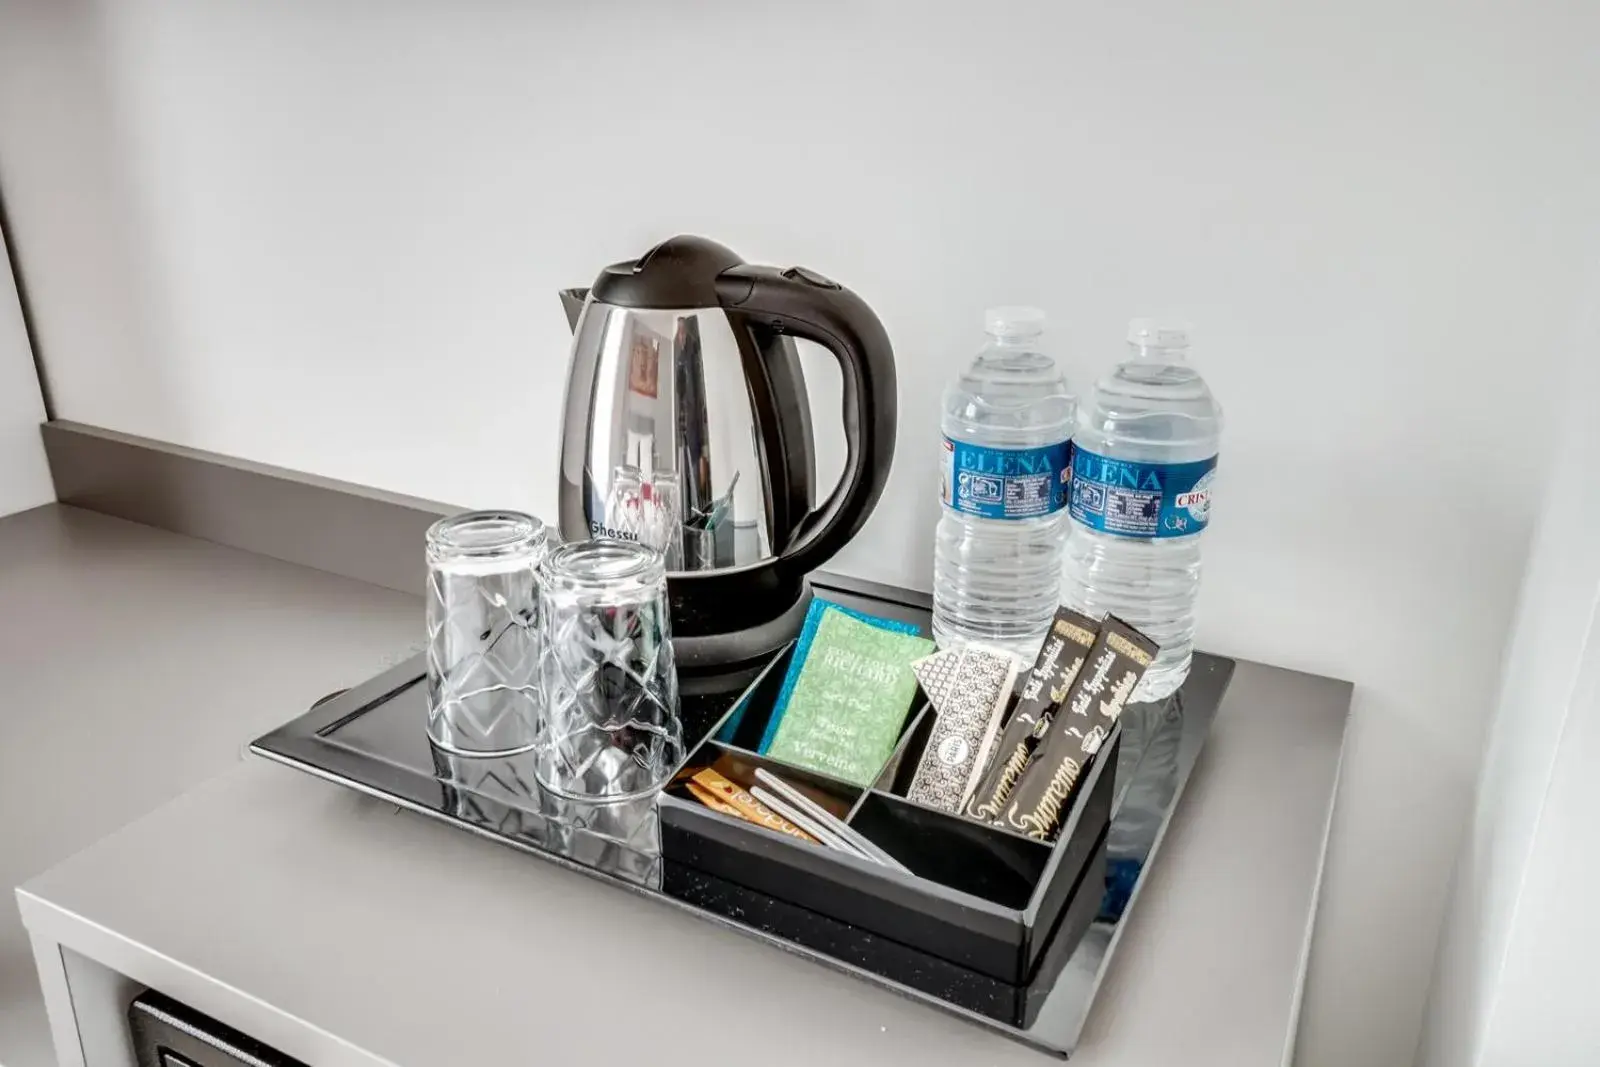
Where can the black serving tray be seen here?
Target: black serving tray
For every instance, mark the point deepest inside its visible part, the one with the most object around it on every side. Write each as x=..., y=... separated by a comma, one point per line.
x=1005, y=931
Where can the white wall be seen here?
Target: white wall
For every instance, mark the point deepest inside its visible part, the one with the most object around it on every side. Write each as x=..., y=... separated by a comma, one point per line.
x=24, y=477
x=328, y=235
x=1515, y=980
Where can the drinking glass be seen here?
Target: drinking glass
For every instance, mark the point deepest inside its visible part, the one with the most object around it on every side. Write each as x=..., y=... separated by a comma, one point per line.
x=483, y=632
x=611, y=726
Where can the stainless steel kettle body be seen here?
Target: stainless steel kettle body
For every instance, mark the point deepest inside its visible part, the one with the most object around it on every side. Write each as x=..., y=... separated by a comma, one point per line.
x=687, y=427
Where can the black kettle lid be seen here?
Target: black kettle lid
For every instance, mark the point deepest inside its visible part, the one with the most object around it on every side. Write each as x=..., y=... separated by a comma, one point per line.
x=680, y=272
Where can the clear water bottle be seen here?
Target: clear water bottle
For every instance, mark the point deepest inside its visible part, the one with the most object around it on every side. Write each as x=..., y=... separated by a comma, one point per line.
x=1144, y=457
x=1007, y=426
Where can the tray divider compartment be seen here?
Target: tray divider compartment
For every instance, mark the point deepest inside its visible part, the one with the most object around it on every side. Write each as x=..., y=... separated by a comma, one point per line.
x=1088, y=816
x=895, y=777
x=739, y=766
x=958, y=853
x=744, y=724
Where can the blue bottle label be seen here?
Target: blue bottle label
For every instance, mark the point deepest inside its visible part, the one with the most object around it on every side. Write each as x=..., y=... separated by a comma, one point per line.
x=1133, y=499
x=1005, y=483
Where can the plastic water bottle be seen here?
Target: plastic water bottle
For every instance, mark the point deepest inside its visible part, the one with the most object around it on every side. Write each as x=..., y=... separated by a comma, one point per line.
x=1007, y=429
x=1144, y=457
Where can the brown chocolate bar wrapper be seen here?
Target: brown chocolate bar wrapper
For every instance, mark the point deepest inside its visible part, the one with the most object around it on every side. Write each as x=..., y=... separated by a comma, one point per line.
x=712, y=800
x=1065, y=647
x=1109, y=676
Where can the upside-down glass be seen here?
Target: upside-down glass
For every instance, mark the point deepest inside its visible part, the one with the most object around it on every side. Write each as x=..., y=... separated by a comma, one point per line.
x=483, y=632
x=611, y=725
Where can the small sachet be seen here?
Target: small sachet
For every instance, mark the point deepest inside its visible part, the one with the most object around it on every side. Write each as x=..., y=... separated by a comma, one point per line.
x=969, y=689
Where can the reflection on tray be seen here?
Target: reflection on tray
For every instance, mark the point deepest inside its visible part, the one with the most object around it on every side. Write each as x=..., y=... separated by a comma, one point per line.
x=1152, y=740
x=622, y=838
x=501, y=795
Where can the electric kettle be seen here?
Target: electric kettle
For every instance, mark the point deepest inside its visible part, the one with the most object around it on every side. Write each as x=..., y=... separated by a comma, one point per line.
x=687, y=427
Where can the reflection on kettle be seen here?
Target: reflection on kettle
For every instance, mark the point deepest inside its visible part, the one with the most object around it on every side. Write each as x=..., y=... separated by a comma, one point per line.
x=687, y=426
x=644, y=507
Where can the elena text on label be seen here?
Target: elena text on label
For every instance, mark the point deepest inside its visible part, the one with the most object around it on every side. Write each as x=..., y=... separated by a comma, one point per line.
x=1148, y=500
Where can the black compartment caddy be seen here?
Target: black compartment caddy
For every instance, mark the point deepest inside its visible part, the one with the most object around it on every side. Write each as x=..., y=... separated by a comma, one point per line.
x=980, y=897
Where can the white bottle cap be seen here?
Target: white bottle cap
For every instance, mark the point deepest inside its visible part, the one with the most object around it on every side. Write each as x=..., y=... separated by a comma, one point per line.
x=1013, y=322
x=1158, y=333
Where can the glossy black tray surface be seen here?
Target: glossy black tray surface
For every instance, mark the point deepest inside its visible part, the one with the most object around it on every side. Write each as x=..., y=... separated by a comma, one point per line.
x=372, y=738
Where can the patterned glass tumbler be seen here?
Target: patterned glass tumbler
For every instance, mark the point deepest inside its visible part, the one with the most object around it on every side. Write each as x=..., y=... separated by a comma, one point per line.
x=612, y=730
x=483, y=632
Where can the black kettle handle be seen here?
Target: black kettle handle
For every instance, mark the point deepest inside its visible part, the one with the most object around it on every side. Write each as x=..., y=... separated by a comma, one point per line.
x=804, y=304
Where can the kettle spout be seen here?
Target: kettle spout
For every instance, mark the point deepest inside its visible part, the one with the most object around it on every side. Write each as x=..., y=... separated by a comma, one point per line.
x=572, y=303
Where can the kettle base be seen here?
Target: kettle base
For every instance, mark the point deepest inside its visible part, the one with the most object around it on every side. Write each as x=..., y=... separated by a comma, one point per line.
x=720, y=651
